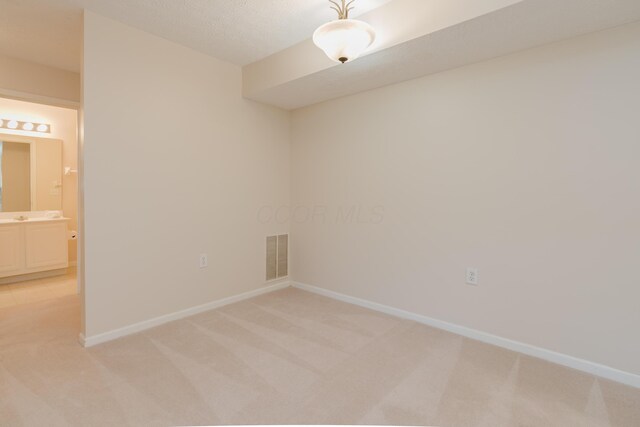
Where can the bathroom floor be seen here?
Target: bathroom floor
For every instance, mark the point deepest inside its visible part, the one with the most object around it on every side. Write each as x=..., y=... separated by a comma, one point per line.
x=15, y=294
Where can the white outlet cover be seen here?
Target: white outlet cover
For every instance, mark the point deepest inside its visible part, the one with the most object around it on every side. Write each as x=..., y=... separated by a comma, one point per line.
x=472, y=276
x=204, y=262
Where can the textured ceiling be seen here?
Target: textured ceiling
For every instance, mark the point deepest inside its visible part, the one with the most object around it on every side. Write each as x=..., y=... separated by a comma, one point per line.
x=524, y=25
x=237, y=31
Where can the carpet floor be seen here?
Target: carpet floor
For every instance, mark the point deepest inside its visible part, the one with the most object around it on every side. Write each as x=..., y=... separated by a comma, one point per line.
x=289, y=357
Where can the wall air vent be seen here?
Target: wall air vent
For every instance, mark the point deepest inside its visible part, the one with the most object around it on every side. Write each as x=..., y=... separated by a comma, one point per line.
x=283, y=255
x=277, y=256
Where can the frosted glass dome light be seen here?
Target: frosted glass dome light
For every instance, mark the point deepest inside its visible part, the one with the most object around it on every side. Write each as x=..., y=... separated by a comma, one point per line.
x=345, y=39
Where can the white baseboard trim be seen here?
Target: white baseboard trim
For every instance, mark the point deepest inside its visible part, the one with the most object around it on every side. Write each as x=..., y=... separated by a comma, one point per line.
x=530, y=350
x=157, y=321
x=33, y=276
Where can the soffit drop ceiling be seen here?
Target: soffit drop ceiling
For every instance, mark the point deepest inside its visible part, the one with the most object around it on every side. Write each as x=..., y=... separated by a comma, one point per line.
x=301, y=75
x=49, y=32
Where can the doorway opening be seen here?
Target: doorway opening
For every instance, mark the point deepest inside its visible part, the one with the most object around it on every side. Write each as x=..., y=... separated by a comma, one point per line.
x=38, y=208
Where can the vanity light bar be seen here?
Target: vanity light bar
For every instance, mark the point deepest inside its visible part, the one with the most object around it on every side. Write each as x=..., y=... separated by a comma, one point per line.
x=26, y=126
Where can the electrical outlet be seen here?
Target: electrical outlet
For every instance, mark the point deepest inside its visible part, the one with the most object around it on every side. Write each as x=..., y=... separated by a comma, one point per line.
x=472, y=276
x=204, y=262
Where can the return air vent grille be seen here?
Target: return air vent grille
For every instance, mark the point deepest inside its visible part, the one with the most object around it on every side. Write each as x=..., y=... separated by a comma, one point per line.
x=272, y=257
x=283, y=255
x=277, y=256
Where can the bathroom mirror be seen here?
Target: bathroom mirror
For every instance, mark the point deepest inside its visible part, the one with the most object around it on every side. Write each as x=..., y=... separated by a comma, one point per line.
x=30, y=174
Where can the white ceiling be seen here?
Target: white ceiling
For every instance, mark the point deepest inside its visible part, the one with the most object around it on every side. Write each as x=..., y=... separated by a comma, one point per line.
x=254, y=31
x=523, y=25
x=238, y=31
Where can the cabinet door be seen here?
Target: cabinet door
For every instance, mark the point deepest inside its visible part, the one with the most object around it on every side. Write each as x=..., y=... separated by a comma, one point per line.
x=46, y=246
x=11, y=250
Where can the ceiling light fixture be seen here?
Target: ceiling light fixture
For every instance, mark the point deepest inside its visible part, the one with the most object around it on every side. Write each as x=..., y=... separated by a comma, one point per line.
x=345, y=39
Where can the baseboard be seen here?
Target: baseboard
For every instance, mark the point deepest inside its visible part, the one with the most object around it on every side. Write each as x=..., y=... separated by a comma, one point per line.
x=157, y=321
x=530, y=350
x=33, y=276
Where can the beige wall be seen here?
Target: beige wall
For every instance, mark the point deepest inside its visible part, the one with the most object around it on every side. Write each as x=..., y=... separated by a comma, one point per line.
x=35, y=82
x=176, y=164
x=16, y=176
x=524, y=167
x=48, y=174
x=64, y=126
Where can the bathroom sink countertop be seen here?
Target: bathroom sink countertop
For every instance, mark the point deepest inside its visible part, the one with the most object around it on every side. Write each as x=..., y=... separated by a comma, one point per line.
x=37, y=219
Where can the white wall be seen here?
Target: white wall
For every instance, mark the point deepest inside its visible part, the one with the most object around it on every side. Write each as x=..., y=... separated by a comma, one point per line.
x=64, y=126
x=176, y=164
x=35, y=82
x=525, y=167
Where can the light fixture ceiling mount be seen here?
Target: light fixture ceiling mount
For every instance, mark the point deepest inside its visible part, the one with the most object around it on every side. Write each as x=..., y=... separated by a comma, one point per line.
x=343, y=10
x=345, y=39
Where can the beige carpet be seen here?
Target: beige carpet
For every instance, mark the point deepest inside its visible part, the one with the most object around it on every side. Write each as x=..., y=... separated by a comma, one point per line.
x=286, y=357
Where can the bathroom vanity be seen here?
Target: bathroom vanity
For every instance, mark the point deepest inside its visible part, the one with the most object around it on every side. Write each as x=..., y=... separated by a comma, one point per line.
x=32, y=244
x=33, y=233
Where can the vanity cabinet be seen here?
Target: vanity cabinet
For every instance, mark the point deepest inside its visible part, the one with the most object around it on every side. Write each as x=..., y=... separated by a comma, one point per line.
x=33, y=246
x=11, y=250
